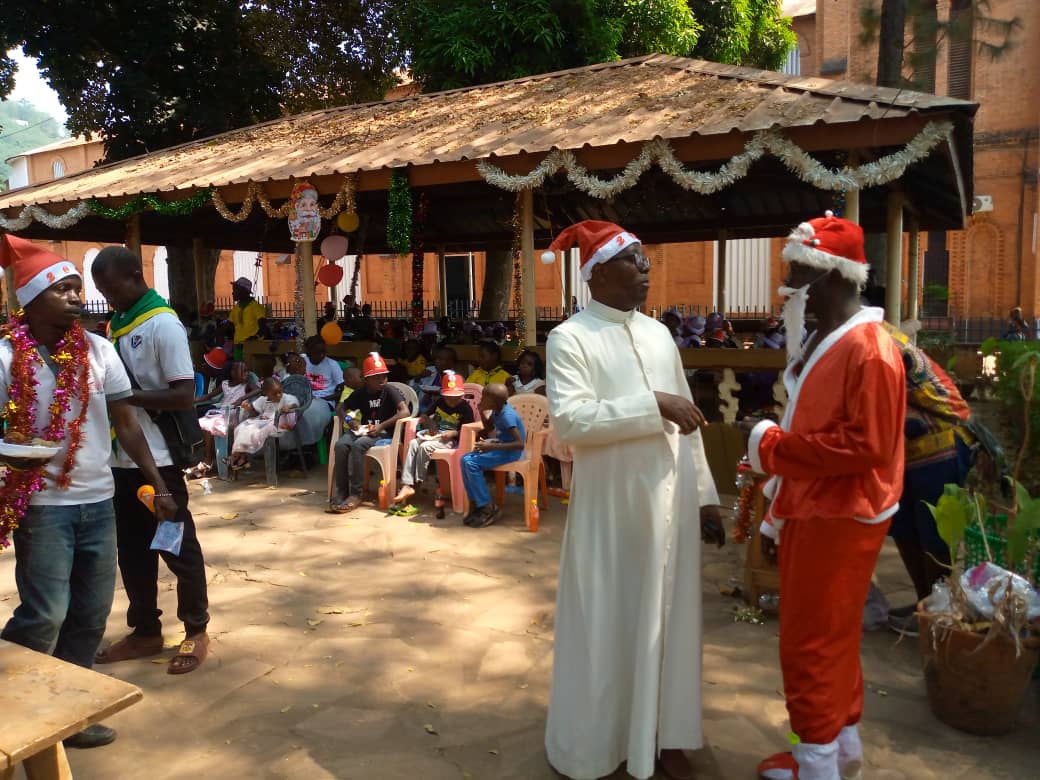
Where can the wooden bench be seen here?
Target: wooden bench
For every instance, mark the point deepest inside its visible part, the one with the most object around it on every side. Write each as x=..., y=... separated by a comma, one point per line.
x=43, y=701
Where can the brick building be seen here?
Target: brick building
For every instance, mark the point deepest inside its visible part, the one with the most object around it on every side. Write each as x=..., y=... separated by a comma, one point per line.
x=991, y=265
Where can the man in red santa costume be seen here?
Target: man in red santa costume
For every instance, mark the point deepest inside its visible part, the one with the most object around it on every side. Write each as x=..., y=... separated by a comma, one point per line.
x=836, y=461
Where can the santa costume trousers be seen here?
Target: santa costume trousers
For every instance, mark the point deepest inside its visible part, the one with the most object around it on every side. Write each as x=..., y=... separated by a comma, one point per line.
x=825, y=570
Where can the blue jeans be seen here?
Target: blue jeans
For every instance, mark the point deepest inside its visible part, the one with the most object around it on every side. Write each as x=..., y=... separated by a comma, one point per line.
x=65, y=570
x=473, y=466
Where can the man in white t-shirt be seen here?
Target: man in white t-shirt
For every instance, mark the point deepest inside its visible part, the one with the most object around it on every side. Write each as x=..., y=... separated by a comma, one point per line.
x=151, y=342
x=324, y=373
x=65, y=542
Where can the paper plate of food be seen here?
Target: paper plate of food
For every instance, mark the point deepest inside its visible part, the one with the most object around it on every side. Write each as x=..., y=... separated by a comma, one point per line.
x=15, y=445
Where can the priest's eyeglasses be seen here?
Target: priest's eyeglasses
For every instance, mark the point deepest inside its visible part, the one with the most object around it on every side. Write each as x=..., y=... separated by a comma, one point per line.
x=638, y=259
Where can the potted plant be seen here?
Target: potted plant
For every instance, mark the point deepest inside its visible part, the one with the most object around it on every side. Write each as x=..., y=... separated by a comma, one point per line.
x=980, y=628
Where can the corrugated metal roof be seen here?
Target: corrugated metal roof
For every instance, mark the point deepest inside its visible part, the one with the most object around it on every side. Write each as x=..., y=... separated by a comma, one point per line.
x=631, y=100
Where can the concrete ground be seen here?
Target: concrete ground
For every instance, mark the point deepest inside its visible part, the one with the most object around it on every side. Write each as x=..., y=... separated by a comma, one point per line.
x=368, y=646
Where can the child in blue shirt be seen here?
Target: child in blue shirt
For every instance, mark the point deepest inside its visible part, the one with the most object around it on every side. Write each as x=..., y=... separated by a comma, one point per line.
x=506, y=446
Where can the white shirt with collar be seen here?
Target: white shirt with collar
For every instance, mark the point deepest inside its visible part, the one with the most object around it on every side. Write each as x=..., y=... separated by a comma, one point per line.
x=156, y=354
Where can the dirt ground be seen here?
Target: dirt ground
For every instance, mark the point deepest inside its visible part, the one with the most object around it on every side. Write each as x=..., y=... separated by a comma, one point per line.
x=368, y=646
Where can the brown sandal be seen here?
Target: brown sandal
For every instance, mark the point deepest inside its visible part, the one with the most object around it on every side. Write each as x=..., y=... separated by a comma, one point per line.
x=128, y=648
x=190, y=655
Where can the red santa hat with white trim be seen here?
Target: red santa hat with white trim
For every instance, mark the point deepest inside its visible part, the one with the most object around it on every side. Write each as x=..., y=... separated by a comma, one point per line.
x=598, y=241
x=35, y=268
x=374, y=364
x=829, y=243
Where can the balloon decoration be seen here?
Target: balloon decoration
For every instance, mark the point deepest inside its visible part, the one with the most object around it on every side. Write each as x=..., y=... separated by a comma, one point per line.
x=330, y=275
x=334, y=247
x=331, y=333
x=348, y=221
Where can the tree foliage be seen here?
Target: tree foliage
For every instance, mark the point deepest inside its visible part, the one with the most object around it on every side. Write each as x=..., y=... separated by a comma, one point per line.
x=455, y=43
x=147, y=74
x=743, y=32
x=327, y=52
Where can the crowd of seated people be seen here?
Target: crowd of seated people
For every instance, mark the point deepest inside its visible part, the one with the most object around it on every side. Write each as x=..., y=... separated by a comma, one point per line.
x=424, y=359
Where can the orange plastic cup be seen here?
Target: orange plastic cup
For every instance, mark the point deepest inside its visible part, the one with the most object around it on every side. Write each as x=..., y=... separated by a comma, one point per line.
x=146, y=495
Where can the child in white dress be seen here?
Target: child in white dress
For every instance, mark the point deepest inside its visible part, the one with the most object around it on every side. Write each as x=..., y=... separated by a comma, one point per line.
x=251, y=433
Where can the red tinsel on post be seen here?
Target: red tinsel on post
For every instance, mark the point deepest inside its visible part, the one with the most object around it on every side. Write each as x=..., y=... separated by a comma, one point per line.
x=418, y=259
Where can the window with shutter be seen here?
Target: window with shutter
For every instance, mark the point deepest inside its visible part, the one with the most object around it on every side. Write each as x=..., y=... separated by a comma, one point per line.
x=961, y=42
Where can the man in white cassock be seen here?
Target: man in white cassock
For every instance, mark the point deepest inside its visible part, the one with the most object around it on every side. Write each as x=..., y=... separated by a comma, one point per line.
x=627, y=668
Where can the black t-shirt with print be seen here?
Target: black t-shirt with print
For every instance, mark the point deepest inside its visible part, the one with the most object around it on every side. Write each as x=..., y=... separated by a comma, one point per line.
x=448, y=419
x=377, y=408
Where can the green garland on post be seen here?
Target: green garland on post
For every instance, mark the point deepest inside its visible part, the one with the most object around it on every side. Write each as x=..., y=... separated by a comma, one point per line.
x=399, y=213
x=168, y=208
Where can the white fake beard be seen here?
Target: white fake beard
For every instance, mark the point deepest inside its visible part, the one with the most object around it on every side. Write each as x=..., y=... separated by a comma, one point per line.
x=793, y=315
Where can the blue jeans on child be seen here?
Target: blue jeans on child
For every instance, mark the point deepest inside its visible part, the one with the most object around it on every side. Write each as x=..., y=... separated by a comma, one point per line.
x=474, y=464
x=65, y=570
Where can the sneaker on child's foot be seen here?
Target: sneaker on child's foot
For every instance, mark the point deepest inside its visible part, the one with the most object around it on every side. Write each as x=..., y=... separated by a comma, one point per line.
x=489, y=515
x=471, y=518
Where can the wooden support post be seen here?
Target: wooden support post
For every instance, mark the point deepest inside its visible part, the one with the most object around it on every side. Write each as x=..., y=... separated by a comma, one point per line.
x=894, y=257
x=442, y=281
x=720, y=283
x=198, y=256
x=305, y=257
x=852, y=196
x=913, y=271
x=133, y=234
x=852, y=206
x=527, y=263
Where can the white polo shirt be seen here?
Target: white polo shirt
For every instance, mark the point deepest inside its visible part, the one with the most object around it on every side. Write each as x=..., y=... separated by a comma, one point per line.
x=156, y=352
x=90, y=475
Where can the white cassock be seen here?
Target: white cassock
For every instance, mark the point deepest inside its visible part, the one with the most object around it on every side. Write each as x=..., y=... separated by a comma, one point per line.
x=627, y=664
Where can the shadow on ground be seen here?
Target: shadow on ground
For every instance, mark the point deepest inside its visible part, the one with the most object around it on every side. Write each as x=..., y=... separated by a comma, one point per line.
x=368, y=646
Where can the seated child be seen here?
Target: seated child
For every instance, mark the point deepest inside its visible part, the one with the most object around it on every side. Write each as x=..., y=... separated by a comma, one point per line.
x=414, y=360
x=232, y=392
x=443, y=424
x=252, y=432
x=506, y=446
x=489, y=366
x=369, y=414
x=428, y=385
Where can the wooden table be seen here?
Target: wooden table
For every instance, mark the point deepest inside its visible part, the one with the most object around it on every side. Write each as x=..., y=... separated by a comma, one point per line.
x=44, y=700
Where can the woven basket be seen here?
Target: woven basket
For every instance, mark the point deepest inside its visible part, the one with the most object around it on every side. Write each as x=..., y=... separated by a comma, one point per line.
x=973, y=690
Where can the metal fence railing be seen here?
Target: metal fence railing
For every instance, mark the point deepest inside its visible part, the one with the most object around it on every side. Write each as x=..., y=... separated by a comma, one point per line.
x=967, y=330
x=954, y=330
